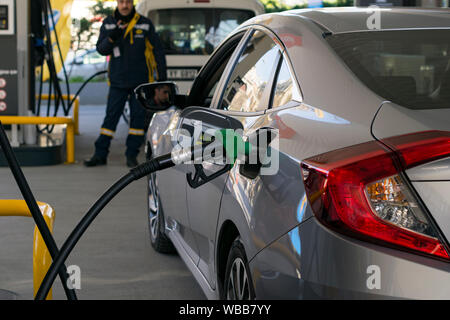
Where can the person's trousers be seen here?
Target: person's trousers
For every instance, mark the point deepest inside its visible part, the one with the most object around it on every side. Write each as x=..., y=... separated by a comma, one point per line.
x=117, y=98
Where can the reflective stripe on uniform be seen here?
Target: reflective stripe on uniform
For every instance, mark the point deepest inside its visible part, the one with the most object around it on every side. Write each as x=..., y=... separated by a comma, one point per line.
x=136, y=132
x=143, y=26
x=110, y=26
x=107, y=132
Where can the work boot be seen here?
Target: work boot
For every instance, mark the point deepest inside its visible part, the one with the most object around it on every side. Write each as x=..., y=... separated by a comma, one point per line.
x=94, y=161
x=132, y=162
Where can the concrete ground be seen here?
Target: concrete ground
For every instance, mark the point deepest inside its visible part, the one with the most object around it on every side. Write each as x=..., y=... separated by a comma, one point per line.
x=115, y=255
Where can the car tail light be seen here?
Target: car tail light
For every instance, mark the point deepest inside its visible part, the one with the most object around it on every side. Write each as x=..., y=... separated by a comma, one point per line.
x=360, y=191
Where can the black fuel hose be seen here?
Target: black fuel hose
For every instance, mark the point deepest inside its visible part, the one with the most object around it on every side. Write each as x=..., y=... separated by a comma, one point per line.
x=195, y=153
x=34, y=210
x=139, y=172
x=48, y=16
x=84, y=84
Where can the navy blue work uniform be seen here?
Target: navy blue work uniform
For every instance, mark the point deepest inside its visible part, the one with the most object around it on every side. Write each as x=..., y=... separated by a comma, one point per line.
x=137, y=57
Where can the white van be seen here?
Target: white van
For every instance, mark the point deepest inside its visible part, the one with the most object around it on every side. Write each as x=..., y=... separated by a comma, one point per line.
x=191, y=29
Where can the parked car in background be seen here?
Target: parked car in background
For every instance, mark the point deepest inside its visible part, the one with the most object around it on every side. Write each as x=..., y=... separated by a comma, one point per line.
x=359, y=205
x=191, y=30
x=84, y=64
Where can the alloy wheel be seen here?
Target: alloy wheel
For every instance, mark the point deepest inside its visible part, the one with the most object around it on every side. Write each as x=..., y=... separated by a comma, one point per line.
x=238, y=285
x=153, y=206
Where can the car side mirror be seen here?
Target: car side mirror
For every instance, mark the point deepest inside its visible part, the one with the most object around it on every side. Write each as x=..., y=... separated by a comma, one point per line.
x=157, y=96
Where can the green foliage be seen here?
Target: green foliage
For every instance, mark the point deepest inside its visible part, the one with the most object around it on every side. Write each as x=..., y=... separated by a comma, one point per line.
x=85, y=25
x=339, y=3
x=80, y=79
x=84, y=30
x=278, y=6
x=82, y=33
x=76, y=79
x=100, y=10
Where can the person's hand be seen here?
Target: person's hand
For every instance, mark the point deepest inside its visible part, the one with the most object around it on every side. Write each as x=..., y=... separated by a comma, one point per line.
x=117, y=33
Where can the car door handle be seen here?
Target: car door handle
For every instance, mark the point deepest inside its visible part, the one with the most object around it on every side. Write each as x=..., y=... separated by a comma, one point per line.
x=200, y=178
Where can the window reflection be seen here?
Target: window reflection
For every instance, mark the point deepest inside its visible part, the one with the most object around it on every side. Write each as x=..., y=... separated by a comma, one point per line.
x=284, y=87
x=249, y=80
x=408, y=67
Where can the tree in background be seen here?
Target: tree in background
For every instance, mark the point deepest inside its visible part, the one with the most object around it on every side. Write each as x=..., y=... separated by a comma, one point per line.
x=99, y=10
x=278, y=5
x=339, y=3
x=81, y=34
x=85, y=29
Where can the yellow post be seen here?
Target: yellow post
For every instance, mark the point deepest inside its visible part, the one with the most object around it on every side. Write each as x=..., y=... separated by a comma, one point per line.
x=70, y=136
x=70, y=143
x=76, y=108
x=41, y=256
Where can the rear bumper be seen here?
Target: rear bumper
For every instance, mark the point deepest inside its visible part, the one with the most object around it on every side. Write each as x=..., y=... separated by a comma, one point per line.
x=311, y=262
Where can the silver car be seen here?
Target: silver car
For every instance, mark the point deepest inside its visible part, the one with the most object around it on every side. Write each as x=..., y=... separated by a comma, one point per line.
x=358, y=206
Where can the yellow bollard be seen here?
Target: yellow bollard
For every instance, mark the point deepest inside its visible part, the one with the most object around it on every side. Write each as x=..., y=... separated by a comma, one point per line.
x=70, y=134
x=76, y=108
x=70, y=143
x=41, y=256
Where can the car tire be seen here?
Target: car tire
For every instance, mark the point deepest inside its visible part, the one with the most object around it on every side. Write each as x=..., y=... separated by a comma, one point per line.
x=238, y=284
x=158, y=239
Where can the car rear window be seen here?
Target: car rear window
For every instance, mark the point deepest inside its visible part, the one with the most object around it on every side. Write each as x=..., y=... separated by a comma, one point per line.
x=408, y=67
x=196, y=31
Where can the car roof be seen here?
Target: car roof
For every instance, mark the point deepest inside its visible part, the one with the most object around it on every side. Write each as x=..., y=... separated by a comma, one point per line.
x=354, y=19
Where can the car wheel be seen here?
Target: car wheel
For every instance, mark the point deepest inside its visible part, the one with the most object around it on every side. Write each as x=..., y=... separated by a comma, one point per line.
x=238, y=284
x=160, y=242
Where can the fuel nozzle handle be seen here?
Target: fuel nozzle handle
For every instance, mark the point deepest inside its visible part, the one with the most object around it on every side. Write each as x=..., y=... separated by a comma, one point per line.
x=227, y=142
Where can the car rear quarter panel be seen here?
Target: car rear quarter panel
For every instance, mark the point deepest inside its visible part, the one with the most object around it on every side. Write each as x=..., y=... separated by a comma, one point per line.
x=311, y=262
x=266, y=208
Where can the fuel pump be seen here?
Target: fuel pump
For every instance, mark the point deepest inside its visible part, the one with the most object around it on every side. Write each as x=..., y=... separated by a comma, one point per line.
x=31, y=50
x=22, y=34
x=15, y=63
